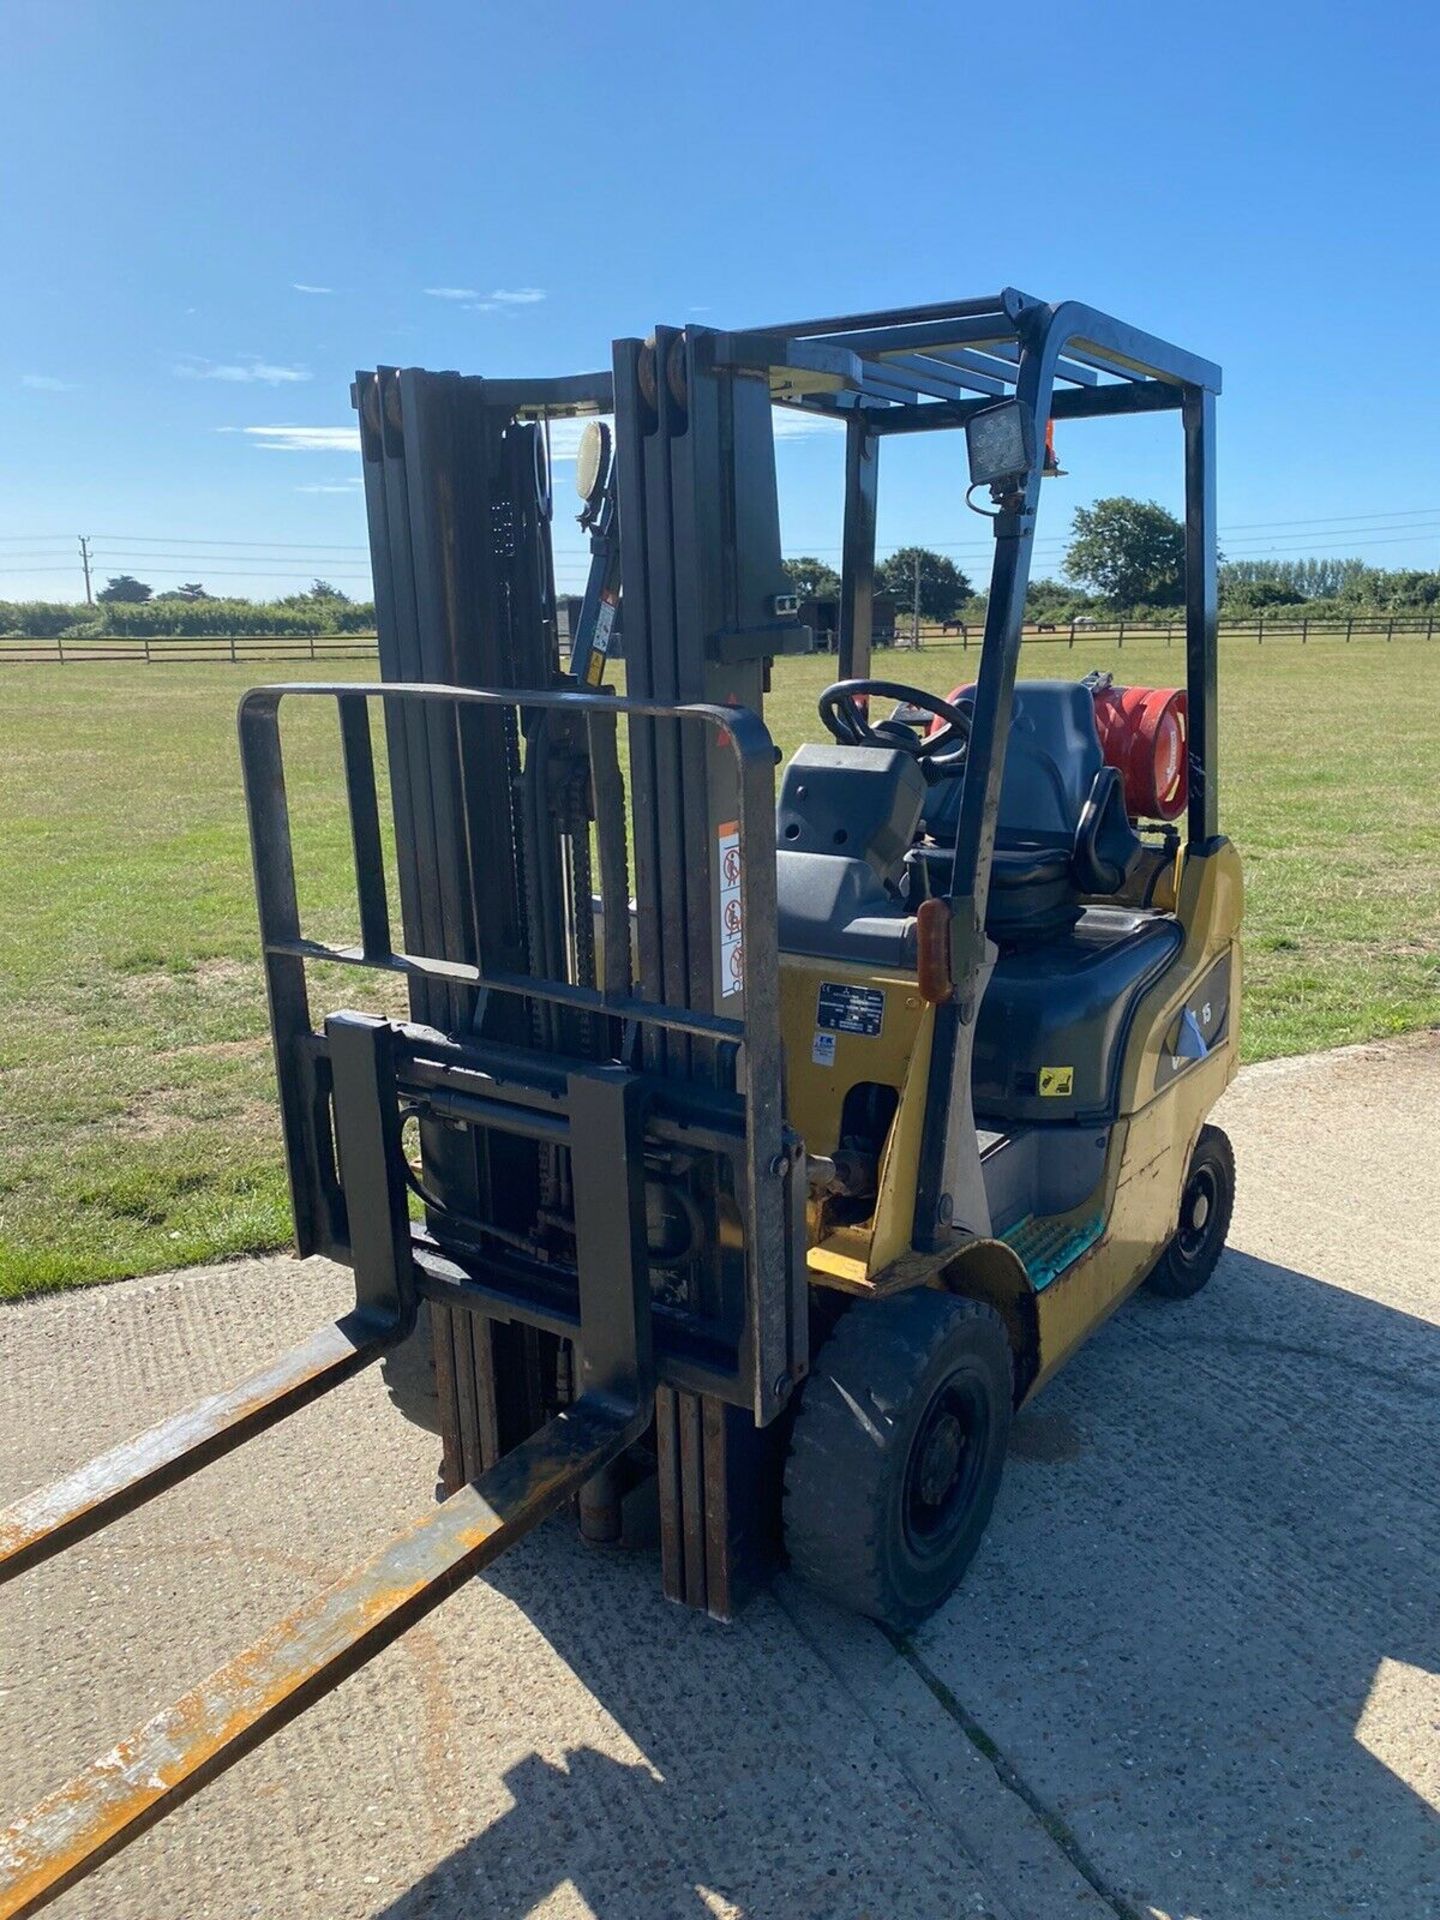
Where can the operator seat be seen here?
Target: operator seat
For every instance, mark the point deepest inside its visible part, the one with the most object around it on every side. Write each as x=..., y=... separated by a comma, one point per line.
x=1062, y=833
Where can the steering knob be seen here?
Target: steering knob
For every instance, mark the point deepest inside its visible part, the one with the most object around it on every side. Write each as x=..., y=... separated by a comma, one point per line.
x=847, y=723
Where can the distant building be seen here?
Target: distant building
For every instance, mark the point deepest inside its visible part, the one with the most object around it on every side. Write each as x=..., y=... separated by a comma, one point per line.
x=823, y=619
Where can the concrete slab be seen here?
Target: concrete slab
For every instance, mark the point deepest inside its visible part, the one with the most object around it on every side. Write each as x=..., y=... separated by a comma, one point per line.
x=1192, y=1672
x=1204, y=1628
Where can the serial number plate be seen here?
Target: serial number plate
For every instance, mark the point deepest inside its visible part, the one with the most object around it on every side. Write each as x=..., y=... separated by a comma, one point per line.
x=850, y=1009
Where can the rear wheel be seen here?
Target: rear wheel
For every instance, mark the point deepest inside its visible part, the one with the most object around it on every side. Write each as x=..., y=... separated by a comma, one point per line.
x=1206, y=1203
x=897, y=1452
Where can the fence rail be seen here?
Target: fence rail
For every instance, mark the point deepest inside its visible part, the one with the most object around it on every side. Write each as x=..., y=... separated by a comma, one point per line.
x=173, y=649
x=1301, y=630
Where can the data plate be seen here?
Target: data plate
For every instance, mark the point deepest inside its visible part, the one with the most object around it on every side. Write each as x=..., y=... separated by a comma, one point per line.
x=844, y=1009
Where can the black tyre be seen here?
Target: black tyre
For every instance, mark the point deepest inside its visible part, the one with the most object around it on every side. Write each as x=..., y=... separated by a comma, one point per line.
x=1206, y=1203
x=897, y=1452
x=409, y=1375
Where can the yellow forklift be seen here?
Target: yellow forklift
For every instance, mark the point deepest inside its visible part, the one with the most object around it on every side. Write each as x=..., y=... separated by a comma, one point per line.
x=754, y=1157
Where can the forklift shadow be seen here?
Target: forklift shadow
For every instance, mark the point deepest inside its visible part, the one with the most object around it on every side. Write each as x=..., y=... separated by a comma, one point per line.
x=545, y=1844
x=714, y=1770
x=1190, y=1633
x=1203, y=1628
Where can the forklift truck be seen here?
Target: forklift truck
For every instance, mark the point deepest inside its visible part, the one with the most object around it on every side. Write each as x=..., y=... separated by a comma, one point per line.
x=769, y=1155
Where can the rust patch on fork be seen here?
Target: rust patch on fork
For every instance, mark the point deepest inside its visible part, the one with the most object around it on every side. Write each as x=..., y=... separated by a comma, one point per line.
x=43, y=1523
x=208, y=1729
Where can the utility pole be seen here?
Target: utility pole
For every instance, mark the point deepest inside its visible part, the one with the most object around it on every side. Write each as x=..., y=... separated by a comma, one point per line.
x=85, y=563
x=915, y=606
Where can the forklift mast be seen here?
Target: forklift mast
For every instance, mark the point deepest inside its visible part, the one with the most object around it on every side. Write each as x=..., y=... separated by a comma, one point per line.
x=601, y=1210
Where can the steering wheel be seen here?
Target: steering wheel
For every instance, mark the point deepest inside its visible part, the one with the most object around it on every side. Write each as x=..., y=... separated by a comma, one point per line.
x=938, y=753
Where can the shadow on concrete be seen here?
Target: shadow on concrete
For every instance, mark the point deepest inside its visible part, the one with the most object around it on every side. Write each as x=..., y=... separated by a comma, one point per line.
x=1217, y=1532
x=757, y=1790
x=1216, y=1555
x=529, y=1853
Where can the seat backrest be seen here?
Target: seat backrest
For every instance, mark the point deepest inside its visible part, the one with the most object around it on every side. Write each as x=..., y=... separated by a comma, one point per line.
x=1051, y=762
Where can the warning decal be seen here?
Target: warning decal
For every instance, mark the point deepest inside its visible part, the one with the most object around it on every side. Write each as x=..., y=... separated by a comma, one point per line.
x=1057, y=1082
x=732, y=913
x=600, y=645
x=843, y=1009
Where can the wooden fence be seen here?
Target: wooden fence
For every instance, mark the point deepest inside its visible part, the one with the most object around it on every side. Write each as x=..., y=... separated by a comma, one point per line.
x=1264, y=628
x=172, y=649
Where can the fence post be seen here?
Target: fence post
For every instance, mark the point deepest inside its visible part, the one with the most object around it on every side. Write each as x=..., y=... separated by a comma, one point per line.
x=1260, y=630
x=1430, y=627
x=1349, y=623
x=60, y=648
x=232, y=649
x=1304, y=628
x=1072, y=633
x=1390, y=629
x=1120, y=638
x=147, y=649
x=312, y=646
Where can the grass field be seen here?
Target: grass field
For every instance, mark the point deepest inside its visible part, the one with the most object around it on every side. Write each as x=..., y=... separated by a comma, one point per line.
x=137, y=1129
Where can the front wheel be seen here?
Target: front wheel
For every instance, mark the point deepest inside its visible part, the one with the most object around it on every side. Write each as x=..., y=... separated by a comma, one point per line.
x=897, y=1452
x=1206, y=1203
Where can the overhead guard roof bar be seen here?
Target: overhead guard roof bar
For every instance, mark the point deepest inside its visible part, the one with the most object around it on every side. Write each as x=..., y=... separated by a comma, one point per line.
x=970, y=347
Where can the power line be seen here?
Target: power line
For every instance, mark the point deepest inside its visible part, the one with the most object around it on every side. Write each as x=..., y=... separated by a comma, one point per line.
x=121, y=555
x=1056, y=545
x=267, y=573
x=1393, y=513
x=185, y=540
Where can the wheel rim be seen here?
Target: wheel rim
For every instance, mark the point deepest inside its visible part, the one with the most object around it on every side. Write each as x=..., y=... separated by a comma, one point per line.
x=945, y=1466
x=1199, y=1214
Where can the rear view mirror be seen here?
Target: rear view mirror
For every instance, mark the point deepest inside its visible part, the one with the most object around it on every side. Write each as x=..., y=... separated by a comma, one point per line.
x=1000, y=441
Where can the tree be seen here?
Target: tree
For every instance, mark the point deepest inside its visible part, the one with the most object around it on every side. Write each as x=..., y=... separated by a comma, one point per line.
x=124, y=587
x=191, y=590
x=812, y=579
x=1053, y=600
x=942, y=585
x=318, y=593
x=1130, y=551
x=1255, y=596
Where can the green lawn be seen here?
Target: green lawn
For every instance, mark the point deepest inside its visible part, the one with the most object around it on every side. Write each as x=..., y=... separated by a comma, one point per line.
x=136, y=1124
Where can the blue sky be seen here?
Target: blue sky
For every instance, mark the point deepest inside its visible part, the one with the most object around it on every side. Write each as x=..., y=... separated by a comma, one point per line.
x=213, y=213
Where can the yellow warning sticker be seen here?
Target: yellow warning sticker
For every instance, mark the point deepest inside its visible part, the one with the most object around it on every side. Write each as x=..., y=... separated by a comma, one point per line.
x=1056, y=1082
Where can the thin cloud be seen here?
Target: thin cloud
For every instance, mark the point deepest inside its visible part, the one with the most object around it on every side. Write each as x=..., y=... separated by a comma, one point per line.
x=247, y=372
x=476, y=302
x=792, y=425
x=565, y=434
x=565, y=438
x=46, y=383
x=300, y=286
x=300, y=439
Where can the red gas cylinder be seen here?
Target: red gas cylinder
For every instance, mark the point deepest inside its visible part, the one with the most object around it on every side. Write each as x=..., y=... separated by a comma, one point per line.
x=1143, y=731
